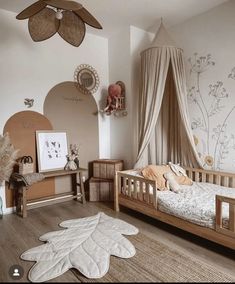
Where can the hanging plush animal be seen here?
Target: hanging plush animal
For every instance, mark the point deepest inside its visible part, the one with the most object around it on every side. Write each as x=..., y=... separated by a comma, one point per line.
x=114, y=92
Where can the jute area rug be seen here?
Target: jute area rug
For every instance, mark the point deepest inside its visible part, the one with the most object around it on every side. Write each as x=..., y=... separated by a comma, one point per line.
x=155, y=262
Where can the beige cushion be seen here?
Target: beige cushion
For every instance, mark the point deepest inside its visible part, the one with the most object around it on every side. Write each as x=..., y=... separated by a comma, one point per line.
x=156, y=173
x=183, y=180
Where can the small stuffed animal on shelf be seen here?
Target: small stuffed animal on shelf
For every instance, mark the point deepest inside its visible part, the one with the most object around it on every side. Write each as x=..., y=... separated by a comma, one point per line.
x=71, y=165
x=114, y=92
x=115, y=99
x=74, y=149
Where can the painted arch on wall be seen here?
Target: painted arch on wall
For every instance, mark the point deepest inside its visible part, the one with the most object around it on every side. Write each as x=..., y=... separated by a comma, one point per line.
x=21, y=128
x=71, y=111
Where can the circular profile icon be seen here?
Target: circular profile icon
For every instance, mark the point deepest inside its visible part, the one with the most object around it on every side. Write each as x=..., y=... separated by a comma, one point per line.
x=16, y=272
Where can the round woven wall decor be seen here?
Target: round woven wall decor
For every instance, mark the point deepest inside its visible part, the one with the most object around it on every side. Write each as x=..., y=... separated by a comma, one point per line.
x=86, y=79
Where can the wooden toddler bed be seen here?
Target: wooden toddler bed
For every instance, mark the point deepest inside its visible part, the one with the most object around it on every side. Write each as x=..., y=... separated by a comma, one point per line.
x=141, y=194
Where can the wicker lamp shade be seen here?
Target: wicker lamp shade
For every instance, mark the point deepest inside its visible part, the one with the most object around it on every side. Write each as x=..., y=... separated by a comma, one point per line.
x=43, y=25
x=31, y=10
x=72, y=29
x=88, y=18
x=64, y=4
x=68, y=18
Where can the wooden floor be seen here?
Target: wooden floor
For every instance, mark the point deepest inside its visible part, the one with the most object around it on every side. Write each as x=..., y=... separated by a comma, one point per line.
x=18, y=235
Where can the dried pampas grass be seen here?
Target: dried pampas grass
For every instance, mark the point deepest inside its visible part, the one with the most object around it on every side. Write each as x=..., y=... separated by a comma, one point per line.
x=8, y=156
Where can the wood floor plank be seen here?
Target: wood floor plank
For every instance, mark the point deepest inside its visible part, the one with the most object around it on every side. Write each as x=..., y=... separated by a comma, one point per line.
x=18, y=235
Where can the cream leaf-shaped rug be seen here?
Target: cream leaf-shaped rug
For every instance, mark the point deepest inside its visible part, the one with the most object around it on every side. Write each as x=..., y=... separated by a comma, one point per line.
x=86, y=244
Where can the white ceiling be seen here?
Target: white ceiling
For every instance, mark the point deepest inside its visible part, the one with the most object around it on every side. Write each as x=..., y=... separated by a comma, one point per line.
x=145, y=14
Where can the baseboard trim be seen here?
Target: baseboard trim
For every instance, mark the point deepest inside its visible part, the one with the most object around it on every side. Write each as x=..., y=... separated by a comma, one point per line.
x=9, y=210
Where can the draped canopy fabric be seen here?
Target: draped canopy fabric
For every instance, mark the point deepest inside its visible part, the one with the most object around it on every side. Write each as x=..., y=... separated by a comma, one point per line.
x=164, y=127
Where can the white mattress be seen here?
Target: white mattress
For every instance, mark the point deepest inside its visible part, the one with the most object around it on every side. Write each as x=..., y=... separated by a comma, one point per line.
x=195, y=203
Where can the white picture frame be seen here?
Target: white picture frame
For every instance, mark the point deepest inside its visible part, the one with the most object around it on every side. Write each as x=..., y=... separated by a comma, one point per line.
x=52, y=150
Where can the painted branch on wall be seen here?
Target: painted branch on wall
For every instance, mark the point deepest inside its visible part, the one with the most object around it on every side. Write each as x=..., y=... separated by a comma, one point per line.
x=211, y=104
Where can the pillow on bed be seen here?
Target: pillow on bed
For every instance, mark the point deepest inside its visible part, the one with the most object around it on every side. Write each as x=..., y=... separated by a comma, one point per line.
x=183, y=180
x=135, y=172
x=180, y=174
x=156, y=173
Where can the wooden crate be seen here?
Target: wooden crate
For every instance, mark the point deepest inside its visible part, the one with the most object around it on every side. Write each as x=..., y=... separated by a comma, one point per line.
x=106, y=169
x=101, y=189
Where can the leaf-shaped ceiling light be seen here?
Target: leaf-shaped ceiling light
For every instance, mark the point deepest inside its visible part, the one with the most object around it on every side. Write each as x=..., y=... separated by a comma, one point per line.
x=68, y=18
x=47, y=22
x=86, y=245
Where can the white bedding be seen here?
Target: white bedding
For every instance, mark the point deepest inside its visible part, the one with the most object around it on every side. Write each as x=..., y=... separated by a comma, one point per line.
x=195, y=203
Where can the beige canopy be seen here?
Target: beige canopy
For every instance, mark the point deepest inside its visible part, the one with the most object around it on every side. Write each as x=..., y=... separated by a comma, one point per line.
x=164, y=126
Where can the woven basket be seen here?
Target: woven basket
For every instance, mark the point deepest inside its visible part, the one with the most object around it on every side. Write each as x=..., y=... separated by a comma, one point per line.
x=26, y=165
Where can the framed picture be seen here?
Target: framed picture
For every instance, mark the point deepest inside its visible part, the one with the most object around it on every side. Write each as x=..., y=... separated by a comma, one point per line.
x=52, y=149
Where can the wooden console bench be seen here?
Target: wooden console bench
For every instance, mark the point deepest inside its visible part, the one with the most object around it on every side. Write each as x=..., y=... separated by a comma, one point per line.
x=22, y=205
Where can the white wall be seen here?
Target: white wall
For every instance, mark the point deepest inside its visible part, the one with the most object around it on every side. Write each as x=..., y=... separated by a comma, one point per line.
x=120, y=70
x=212, y=33
x=140, y=40
x=31, y=70
x=124, y=64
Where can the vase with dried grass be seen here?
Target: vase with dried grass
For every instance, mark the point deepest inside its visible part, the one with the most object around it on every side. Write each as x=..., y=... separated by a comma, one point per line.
x=8, y=156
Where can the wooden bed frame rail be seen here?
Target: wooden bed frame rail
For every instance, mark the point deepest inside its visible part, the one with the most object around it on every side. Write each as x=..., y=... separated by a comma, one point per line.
x=140, y=194
x=219, y=178
x=230, y=231
x=135, y=188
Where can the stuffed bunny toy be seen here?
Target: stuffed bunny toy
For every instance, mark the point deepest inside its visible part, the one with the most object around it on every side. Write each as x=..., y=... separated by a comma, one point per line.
x=177, y=169
x=71, y=165
x=171, y=183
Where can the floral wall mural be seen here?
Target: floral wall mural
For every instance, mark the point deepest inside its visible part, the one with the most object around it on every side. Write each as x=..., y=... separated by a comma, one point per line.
x=212, y=113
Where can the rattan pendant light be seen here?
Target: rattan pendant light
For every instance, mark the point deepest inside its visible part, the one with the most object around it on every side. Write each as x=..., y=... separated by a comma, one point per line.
x=68, y=18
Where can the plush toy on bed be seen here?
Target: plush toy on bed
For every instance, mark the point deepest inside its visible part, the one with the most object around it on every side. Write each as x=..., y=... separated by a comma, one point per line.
x=177, y=169
x=171, y=183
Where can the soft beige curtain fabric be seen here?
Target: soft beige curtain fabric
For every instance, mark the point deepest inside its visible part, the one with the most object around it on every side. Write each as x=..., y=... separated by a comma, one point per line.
x=154, y=68
x=165, y=140
x=190, y=156
x=164, y=128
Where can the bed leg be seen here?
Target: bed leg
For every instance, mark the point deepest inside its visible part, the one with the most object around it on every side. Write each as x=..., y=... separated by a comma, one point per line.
x=116, y=193
x=117, y=208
